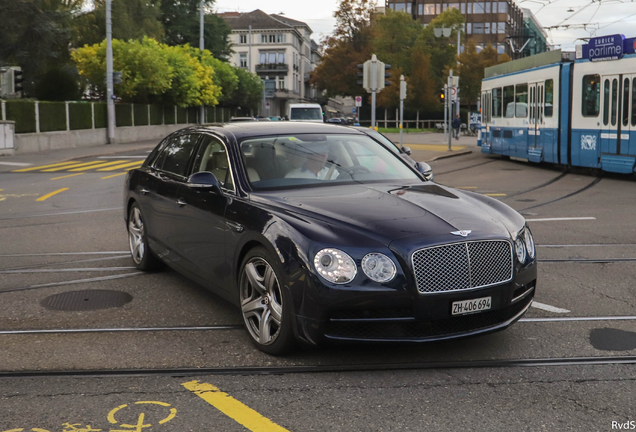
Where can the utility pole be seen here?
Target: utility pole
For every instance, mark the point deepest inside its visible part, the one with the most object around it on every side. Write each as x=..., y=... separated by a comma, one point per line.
x=201, y=47
x=402, y=97
x=374, y=86
x=110, y=102
x=450, y=109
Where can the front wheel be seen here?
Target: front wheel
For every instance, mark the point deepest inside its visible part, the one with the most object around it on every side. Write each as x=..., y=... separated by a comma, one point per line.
x=266, y=308
x=138, y=242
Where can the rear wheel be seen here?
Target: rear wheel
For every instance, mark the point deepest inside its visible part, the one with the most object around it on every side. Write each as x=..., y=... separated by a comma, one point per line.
x=265, y=305
x=138, y=242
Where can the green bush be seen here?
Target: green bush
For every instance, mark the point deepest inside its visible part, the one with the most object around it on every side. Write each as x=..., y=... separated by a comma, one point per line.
x=80, y=116
x=123, y=115
x=101, y=115
x=181, y=115
x=141, y=114
x=23, y=114
x=52, y=116
x=193, y=114
x=169, y=117
x=156, y=114
x=58, y=85
x=209, y=113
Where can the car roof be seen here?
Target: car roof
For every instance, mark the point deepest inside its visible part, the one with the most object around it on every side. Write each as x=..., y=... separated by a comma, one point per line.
x=243, y=130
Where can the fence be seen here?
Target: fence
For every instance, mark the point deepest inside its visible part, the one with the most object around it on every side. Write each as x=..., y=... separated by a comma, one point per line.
x=408, y=124
x=38, y=117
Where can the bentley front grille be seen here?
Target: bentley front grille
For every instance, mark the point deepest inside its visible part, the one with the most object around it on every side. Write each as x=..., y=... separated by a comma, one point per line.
x=462, y=266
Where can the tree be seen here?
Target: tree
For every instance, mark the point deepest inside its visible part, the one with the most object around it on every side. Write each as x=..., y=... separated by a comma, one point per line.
x=394, y=35
x=249, y=91
x=181, y=23
x=352, y=19
x=389, y=97
x=471, y=69
x=422, y=91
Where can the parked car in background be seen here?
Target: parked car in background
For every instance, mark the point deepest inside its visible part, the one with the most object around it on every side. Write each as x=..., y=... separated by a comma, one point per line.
x=337, y=120
x=276, y=118
x=306, y=113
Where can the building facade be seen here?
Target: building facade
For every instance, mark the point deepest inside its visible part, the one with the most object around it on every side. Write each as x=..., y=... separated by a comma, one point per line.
x=500, y=23
x=280, y=51
x=536, y=39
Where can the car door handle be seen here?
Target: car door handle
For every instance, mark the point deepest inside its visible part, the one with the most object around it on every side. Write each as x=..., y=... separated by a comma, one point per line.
x=181, y=202
x=235, y=226
x=145, y=191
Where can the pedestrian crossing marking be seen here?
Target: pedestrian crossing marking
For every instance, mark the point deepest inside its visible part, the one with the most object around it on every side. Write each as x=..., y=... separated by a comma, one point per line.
x=44, y=166
x=126, y=165
x=77, y=165
x=81, y=167
x=101, y=165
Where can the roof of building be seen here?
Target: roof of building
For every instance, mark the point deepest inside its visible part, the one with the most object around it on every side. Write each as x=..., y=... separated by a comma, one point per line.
x=259, y=20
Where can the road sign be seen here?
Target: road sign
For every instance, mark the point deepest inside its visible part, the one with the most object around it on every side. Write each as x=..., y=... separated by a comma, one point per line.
x=453, y=93
x=358, y=101
x=353, y=110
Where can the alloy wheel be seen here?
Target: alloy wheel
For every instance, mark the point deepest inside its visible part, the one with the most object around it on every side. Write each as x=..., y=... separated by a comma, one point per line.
x=136, y=236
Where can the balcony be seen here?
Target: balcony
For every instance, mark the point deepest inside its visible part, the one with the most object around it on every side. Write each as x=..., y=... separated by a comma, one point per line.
x=272, y=67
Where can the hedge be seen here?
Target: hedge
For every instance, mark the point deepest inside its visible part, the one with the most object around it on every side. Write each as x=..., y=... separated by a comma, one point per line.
x=181, y=115
x=141, y=114
x=101, y=115
x=193, y=114
x=168, y=115
x=23, y=114
x=80, y=116
x=156, y=114
x=123, y=115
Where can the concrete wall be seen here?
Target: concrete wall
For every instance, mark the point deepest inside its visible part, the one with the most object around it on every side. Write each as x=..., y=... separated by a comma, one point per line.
x=37, y=142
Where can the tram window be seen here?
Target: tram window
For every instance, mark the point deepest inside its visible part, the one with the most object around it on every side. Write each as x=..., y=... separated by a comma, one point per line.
x=634, y=102
x=549, y=97
x=509, y=101
x=614, y=100
x=626, y=102
x=521, y=105
x=496, y=102
x=591, y=95
x=606, y=92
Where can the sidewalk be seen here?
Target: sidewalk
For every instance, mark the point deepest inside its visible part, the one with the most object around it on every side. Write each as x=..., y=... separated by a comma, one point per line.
x=429, y=146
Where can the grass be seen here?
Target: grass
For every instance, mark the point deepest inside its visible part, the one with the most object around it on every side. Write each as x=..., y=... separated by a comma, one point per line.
x=397, y=130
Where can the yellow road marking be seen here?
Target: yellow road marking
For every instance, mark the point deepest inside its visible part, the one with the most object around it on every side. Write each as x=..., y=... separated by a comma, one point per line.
x=494, y=195
x=45, y=166
x=232, y=408
x=434, y=147
x=51, y=194
x=114, y=175
x=66, y=176
x=101, y=165
x=126, y=165
x=77, y=165
x=466, y=187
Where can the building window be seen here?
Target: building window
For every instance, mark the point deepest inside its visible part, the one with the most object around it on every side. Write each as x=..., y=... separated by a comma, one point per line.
x=438, y=8
x=271, y=58
x=263, y=38
x=478, y=7
x=469, y=28
x=487, y=7
x=501, y=48
x=487, y=28
x=243, y=39
x=280, y=38
x=281, y=83
x=262, y=58
x=501, y=28
x=453, y=6
x=463, y=8
x=243, y=60
x=281, y=58
x=478, y=28
x=399, y=7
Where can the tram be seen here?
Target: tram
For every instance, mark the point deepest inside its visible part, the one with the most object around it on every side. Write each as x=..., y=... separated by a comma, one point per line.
x=572, y=109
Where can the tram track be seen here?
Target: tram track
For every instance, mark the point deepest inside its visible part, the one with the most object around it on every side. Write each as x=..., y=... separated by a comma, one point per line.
x=338, y=368
x=571, y=194
x=464, y=168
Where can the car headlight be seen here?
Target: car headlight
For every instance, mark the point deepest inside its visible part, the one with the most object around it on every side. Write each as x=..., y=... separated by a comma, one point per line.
x=335, y=266
x=520, y=249
x=529, y=243
x=378, y=267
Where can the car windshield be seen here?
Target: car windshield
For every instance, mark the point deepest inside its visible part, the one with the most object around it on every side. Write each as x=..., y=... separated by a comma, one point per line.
x=306, y=114
x=319, y=159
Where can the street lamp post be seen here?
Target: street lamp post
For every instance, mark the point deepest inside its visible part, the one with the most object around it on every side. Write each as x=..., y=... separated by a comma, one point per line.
x=110, y=102
x=201, y=47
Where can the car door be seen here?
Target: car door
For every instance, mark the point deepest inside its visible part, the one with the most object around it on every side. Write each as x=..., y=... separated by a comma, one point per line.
x=202, y=229
x=161, y=187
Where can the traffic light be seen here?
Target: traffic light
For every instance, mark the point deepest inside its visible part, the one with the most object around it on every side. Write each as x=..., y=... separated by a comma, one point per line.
x=361, y=73
x=17, y=80
x=387, y=75
x=441, y=95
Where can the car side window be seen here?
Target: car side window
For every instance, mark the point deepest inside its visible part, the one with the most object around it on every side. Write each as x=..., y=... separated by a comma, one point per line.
x=174, y=158
x=213, y=157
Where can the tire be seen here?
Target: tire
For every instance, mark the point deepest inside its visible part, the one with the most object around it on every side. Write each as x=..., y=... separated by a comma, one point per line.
x=265, y=305
x=138, y=242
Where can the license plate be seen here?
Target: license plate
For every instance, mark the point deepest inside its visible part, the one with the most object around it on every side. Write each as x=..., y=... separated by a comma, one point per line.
x=471, y=306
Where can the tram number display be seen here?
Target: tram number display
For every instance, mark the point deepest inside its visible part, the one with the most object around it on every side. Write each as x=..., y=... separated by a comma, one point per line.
x=471, y=306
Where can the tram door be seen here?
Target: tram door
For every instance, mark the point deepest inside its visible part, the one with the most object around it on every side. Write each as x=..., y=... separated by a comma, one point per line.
x=536, y=115
x=611, y=121
x=628, y=115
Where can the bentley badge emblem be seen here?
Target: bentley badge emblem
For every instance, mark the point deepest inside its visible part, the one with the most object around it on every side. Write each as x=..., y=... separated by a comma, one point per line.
x=462, y=233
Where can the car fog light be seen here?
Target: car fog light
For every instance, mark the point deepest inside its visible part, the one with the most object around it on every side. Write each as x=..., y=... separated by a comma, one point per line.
x=335, y=266
x=378, y=267
x=527, y=235
x=520, y=249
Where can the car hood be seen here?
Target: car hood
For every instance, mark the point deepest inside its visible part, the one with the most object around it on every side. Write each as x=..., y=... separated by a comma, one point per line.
x=421, y=212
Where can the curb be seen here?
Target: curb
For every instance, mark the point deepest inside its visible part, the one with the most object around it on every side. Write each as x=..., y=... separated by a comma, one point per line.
x=450, y=155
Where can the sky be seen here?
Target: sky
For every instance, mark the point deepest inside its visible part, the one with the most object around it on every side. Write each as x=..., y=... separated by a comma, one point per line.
x=602, y=17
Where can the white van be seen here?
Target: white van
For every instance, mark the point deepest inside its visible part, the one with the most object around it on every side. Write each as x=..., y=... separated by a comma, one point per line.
x=305, y=113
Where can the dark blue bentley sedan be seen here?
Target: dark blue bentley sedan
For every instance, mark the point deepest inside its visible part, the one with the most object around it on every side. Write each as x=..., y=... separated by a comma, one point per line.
x=324, y=233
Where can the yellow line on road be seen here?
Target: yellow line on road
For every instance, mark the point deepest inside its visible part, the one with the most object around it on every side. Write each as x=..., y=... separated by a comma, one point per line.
x=232, y=408
x=126, y=165
x=101, y=165
x=77, y=165
x=51, y=194
x=66, y=176
x=495, y=195
x=114, y=175
x=45, y=166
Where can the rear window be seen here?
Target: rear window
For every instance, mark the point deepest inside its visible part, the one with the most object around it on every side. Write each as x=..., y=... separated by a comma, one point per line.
x=306, y=114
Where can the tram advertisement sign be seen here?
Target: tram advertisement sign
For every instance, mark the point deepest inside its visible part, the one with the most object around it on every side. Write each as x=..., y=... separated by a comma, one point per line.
x=606, y=48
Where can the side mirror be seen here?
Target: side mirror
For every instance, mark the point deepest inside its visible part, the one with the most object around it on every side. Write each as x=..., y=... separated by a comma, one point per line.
x=205, y=180
x=424, y=169
x=406, y=150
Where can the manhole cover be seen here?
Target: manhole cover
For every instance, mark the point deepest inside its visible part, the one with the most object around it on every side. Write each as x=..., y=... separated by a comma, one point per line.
x=86, y=300
x=609, y=339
